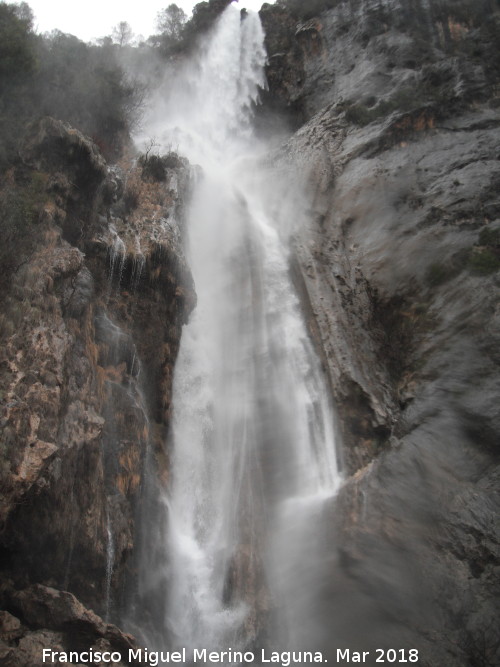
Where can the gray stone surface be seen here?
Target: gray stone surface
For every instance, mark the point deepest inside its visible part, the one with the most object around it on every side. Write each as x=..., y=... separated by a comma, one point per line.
x=398, y=273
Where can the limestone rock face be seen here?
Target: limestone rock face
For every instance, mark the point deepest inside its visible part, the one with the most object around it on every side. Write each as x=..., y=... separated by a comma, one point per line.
x=285, y=68
x=395, y=104
x=51, y=143
x=379, y=56
x=91, y=328
x=398, y=273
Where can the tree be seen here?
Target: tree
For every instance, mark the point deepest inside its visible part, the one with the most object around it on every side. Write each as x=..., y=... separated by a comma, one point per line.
x=170, y=22
x=122, y=33
x=24, y=13
x=18, y=66
x=17, y=59
x=85, y=85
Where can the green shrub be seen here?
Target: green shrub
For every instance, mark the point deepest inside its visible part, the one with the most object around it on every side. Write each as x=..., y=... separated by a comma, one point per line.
x=485, y=256
x=484, y=261
x=85, y=86
x=490, y=237
x=17, y=56
x=60, y=76
x=18, y=66
x=440, y=272
x=154, y=167
x=437, y=274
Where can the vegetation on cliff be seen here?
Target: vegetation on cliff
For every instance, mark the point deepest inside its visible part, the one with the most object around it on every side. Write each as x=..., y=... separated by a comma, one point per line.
x=58, y=75
x=88, y=86
x=397, y=104
x=177, y=34
x=399, y=139
x=86, y=251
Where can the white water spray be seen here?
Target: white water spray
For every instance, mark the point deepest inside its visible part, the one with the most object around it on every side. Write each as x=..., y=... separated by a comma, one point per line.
x=110, y=562
x=254, y=454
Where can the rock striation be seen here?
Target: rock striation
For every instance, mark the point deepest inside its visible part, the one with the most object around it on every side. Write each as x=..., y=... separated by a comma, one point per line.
x=91, y=324
x=397, y=107
x=394, y=106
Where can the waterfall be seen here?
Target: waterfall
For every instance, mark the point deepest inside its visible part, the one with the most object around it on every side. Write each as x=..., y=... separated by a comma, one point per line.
x=252, y=434
x=110, y=561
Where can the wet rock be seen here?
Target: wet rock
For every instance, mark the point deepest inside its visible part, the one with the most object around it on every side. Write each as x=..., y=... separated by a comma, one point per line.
x=401, y=150
x=377, y=56
x=78, y=294
x=56, y=621
x=285, y=72
x=46, y=607
x=54, y=146
x=91, y=323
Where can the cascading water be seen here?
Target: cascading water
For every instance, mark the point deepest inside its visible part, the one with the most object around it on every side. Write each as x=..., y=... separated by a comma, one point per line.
x=110, y=561
x=253, y=442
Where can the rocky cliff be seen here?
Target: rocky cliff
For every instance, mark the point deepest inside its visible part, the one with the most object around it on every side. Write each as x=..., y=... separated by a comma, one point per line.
x=394, y=108
x=396, y=105
x=85, y=398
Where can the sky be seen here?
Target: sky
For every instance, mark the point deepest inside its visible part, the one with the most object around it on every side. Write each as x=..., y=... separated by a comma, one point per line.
x=96, y=18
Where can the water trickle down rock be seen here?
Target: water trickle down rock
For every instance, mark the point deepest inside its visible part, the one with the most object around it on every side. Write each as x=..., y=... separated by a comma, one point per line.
x=76, y=419
x=400, y=138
